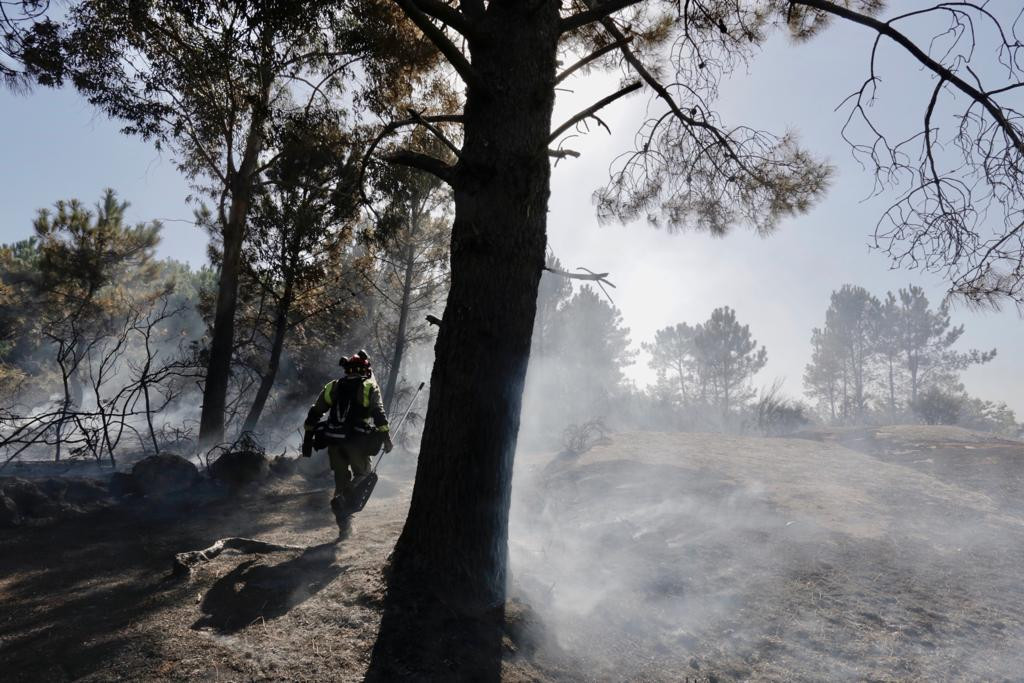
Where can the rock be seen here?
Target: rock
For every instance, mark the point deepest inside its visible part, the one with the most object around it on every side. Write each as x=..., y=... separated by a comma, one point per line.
x=9, y=515
x=28, y=499
x=240, y=467
x=85, y=491
x=284, y=467
x=122, y=484
x=162, y=474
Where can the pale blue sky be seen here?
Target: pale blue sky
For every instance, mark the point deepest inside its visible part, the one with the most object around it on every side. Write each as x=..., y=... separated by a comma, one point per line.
x=56, y=146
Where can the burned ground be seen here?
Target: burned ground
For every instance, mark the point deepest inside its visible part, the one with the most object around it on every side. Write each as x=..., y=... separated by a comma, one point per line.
x=663, y=556
x=655, y=557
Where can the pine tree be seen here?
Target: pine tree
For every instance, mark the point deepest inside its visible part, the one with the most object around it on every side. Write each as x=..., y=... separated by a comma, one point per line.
x=727, y=358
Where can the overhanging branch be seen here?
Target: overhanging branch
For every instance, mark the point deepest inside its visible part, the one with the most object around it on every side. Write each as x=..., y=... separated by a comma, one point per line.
x=446, y=14
x=436, y=132
x=423, y=162
x=665, y=95
x=447, y=48
x=597, y=54
x=886, y=29
x=596, y=12
x=389, y=130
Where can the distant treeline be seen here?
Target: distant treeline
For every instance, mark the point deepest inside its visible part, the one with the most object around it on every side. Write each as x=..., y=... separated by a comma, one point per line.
x=874, y=362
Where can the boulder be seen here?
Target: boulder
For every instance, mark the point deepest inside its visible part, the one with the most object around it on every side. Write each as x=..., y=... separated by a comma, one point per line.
x=159, y=475
x=240, y=467
x=28, y=499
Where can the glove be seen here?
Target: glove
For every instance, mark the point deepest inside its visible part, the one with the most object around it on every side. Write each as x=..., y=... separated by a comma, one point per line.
x=307, y=445
x=388, y=445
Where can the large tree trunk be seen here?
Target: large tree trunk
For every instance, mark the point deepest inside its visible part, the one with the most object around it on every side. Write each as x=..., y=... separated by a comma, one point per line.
x=446, y=585
x=218, y=368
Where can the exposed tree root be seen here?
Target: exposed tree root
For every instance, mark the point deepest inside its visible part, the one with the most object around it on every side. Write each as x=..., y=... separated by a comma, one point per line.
x=184, y=562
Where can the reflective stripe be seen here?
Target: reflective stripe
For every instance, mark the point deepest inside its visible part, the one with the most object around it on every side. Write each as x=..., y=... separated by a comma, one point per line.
x=367, y=388
x=328, y=393
x=383, y=428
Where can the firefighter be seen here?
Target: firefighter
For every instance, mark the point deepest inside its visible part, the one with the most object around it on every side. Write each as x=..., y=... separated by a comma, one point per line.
x=355, y=429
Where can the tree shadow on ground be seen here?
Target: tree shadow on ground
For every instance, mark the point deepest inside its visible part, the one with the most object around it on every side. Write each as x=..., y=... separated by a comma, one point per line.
x=80, y=596
x=253, y=591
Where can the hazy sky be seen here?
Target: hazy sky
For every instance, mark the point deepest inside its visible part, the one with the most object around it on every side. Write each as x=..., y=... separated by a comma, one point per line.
x=56, y=146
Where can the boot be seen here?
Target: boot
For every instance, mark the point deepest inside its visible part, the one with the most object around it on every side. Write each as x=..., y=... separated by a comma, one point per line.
x=341, y=515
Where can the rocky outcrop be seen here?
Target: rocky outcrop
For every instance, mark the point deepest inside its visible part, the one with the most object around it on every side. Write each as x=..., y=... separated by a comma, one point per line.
x=160, y=475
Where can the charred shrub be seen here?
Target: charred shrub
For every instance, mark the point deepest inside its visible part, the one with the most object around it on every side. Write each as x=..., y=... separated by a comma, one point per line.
x=580, y=438
x=778, y=415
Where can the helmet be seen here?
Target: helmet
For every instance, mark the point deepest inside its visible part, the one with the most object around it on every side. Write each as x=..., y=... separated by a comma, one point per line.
x=358, y=364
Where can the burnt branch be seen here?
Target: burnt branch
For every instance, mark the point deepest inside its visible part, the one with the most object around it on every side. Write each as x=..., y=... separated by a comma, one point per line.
x=664, y=94
x=185, y=562
x=600, y=279
x=586, y=275
x=590, y=112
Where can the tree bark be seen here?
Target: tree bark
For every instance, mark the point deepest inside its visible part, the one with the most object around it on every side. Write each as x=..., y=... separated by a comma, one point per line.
x=447, y=578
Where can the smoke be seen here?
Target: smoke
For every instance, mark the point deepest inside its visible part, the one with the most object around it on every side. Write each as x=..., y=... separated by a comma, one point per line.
x=661, y=556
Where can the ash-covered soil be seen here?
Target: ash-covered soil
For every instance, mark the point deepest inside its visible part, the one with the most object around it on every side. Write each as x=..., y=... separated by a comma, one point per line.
x=92, y=598
x=666, y=556
x=844, y=555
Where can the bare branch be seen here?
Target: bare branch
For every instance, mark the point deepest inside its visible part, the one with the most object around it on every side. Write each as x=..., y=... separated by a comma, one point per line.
x=586, y=275
x=436, y=131
x=594, y=108
x=600, y=279
x=597, y=54
x=886, y=29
